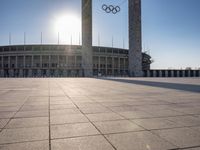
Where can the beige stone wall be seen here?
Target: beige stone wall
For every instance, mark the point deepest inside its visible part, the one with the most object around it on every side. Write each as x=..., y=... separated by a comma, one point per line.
x=135, y=48
x=87, y=56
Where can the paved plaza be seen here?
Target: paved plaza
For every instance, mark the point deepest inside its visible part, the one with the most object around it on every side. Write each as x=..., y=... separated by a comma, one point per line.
x=100, y=114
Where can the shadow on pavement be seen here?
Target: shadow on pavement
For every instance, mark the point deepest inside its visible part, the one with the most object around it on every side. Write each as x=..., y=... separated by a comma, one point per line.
x=175, y=86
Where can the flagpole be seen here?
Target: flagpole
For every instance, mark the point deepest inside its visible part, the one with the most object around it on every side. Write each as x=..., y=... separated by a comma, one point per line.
x=9, y=38
x=98, y=40
x=58, y=38
x=79, y=39
x=123, y=44
x=24, y=38
x=112, y=41
x=41, y=38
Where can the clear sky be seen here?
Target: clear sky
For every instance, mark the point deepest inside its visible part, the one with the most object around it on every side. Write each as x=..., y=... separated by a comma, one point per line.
x=171, y=28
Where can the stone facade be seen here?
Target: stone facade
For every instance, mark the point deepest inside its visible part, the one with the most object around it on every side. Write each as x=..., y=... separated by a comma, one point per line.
x=62, y=61
x=87, y=57
x=135, y=48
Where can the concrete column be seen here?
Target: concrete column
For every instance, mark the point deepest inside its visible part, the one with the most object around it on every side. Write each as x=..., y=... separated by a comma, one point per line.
x=49, y=61
x=166, y=73
x=178, y=73
x=124, y=66
x=160, y=73
x=87, y=53
x=64, y=72
x=2, y=62
x=56, y=72
x=40, y=61
x=118, y=65
x=113, y=65
x=32, y=61
x=11, y=72
x=148, y=73
x=48, y=73
x=106, y=66
x=39, y=73
x=16, y=61
x=30, y=73
x=24, y=59
x=172, y=73
x=58, y=61
x=135, y=46
x=66, y=63
x=183, y=73
x=1, y=73
x=8, y=62
x=75, y=64
x=189, y=73
x=99, y=68
x=20, y=72
x=154, y=73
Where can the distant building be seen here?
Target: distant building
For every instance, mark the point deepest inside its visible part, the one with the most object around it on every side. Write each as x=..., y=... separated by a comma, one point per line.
x=62, y=61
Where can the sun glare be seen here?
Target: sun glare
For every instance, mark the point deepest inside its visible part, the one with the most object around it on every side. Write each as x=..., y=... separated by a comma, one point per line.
x=67, y=26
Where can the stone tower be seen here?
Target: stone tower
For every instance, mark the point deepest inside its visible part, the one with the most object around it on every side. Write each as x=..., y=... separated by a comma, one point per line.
x=135, y=42
x=87, y=53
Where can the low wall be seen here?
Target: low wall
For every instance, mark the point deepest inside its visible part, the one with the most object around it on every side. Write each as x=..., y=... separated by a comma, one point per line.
x=172, y=73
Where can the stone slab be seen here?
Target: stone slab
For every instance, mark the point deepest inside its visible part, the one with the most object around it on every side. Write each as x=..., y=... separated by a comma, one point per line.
x=181, y=137
x=143, y=140
x=38, y=145
x=117, y=126
x=23, y=134
x=82, y=143
x=73, y=130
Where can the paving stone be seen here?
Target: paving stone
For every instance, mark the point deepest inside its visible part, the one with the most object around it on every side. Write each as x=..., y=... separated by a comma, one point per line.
x=3, y=122
x=117, y=126
x=82, y=143
x=189, y=110
x=34, y=107
x=196, y=128
x=72, y=118
x=94, y=110
x=65, y=106
x=143, y=140
x=61, y=102
x=5, y=115
x=23, y=134
x=88, y=104
x=156, y=123
x=39, y=145
x=135, y=114
x=185, y=120
x=9, y=108
x=28, y=114
x=73, y=130
x=181, y=137
x=38, y=98
x=58, y=112
x=35, y=103
x=104, y=117
x=11, y=104
x=28, y=122
x=164, y=113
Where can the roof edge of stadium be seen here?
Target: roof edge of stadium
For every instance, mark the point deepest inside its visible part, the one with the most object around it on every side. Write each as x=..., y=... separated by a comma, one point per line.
x=60, y=45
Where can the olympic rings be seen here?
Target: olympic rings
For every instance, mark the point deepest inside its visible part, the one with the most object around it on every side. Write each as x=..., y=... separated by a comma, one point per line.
x=111, y=8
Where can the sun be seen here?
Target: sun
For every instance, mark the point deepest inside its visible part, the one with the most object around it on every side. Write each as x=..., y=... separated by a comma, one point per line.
x=67, y=26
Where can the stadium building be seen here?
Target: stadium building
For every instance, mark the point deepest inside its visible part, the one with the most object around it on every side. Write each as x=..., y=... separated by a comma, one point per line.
x=82, y=61
x=63, y=61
